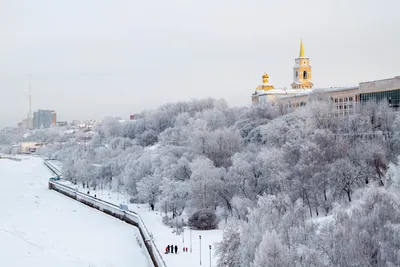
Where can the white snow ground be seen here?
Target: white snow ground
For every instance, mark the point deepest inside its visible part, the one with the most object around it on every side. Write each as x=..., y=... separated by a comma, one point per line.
x=163, y=235
x=42, y=228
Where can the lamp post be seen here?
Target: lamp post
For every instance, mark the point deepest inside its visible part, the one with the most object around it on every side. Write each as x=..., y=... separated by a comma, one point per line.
x=183, y=233
x=190, y=229
x=210, y=254
x=200, y=248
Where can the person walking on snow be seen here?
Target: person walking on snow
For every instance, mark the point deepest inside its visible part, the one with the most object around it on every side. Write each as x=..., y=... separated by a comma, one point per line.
x=176, y=249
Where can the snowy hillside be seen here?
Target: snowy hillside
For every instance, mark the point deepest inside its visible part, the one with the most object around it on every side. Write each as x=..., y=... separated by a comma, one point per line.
x=267, y=170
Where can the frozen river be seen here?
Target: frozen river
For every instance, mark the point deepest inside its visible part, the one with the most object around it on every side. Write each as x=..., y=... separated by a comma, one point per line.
x=42, y=228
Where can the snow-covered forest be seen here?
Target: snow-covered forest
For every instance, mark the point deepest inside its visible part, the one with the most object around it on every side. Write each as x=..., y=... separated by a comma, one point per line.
x=295, y=188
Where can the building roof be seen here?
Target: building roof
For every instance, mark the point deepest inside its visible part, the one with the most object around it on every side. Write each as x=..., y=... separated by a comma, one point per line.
x=283, y=91
x=301, y=92
x=301, y=49
x=323, y=90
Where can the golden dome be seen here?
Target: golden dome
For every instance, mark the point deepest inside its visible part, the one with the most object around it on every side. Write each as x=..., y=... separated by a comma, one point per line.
x=266, y=86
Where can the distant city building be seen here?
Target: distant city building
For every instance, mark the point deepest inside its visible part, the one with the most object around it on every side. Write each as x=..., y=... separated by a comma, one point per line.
x=81, y=124
x=29, y=147
x=346, y=99
x=44, y=118
x=132, y=117
x=24, y=125
x=62, y=123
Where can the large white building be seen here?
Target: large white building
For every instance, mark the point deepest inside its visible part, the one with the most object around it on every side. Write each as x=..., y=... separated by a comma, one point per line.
x=346, y=99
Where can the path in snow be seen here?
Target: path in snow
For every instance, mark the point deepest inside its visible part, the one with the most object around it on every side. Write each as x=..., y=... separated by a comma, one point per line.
x=42, y=228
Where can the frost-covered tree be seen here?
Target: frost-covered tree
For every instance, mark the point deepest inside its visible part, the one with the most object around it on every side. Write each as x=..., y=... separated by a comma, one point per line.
x=271, y=252
x=230, y=246
x=174, y=195
x=149, y=189
x=204, y=183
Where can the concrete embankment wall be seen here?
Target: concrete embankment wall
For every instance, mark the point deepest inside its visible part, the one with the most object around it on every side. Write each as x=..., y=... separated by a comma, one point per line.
x=130, y=217
x=10, y=158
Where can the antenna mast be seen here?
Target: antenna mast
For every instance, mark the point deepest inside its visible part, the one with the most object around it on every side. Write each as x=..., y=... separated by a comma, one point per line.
x=30, y=105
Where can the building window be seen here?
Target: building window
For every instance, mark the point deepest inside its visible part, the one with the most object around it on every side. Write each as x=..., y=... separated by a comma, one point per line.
x=305, y=75
x=350, y=98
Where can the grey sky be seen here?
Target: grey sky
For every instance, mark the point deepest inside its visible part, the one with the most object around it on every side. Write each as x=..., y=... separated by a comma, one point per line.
x=92, y=58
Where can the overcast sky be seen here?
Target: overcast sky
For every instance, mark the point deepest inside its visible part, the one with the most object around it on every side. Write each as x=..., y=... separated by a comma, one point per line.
x=93, y=58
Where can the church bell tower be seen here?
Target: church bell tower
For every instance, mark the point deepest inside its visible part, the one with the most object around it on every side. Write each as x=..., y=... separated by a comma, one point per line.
x=302, y=71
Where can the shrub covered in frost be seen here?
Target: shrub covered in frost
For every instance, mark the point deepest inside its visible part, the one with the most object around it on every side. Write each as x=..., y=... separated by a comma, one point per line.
x=204, y=219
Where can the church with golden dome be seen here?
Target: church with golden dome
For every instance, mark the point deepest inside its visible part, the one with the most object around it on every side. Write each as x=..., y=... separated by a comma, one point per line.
x=346, y=99
x=302, y=71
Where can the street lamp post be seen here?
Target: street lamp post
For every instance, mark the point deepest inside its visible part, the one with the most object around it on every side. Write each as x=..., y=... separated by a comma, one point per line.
x=200, y=248
x=183, y=233
x=190, y=239
x=210, y=254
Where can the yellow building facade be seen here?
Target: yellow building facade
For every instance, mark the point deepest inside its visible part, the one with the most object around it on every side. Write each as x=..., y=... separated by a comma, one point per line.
x=302, y=71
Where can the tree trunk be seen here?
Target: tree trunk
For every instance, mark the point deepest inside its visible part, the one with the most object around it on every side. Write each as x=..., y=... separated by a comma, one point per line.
x=348, y=195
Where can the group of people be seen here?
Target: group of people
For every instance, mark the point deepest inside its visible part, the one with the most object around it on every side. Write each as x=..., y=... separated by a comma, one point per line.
x=172, y=248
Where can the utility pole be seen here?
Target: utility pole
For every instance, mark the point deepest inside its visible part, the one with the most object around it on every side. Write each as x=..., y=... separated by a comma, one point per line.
x=200, y=248
x=190, y=230
x=210, y=254
x=183, y=233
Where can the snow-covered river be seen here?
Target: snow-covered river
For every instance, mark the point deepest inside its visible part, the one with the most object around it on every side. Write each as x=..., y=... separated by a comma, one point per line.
x=42, y=228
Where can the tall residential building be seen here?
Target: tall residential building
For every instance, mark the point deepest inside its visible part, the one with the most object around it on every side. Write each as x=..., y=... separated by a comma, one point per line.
x=44, y=118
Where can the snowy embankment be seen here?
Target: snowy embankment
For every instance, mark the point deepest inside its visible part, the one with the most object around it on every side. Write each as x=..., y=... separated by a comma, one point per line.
x=39, y=227
x=129, y=217
x=164, y=235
